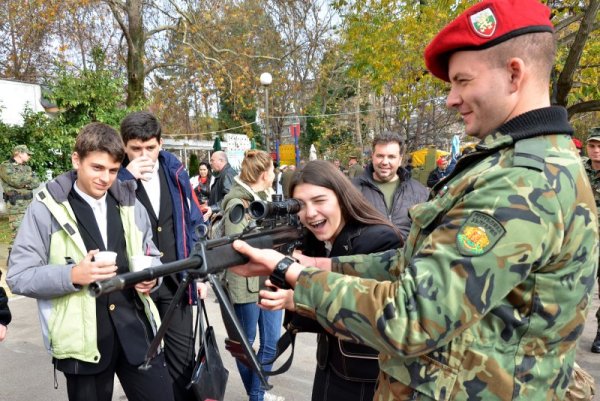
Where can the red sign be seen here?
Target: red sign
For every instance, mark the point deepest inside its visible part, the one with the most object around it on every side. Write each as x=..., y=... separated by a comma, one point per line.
x=295, y=130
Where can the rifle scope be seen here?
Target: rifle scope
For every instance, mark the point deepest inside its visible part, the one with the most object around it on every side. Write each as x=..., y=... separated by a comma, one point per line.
x=265, y=210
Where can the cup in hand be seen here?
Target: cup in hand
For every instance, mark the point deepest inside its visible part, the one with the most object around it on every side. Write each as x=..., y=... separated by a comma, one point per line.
x=106, y=256
x=148, y=174
x=140, y=262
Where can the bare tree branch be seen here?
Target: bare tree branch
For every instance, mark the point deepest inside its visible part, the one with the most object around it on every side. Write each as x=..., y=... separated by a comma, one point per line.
x=583, y=107
x=114, y=6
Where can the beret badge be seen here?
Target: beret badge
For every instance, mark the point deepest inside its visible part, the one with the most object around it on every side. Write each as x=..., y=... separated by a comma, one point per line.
x=484, y=23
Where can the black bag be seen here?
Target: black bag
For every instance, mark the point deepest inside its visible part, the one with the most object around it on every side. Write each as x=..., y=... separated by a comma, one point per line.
x=209, y=378
x=301, y=324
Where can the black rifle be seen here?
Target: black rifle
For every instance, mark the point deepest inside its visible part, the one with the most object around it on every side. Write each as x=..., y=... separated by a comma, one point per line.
x=275, y=226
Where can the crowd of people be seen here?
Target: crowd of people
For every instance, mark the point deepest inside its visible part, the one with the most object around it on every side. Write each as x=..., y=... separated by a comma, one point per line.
x=475, y=286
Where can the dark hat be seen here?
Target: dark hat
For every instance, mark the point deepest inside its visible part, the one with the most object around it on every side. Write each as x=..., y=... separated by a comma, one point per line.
x=22, y=149
x=484, y=25
x=353, y=157
x=594, y=134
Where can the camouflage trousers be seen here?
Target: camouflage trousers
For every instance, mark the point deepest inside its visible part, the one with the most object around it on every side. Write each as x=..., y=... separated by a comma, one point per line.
x=15, y=215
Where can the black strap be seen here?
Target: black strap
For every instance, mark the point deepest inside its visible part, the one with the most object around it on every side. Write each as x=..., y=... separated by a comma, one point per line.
x=288, y=338
x=164, y=325
x=203, y=329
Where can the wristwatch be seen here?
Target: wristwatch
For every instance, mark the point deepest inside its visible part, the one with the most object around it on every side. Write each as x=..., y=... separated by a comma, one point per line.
x=277, y=277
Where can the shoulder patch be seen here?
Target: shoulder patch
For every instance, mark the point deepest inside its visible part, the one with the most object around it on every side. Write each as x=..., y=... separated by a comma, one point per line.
x=479, y=233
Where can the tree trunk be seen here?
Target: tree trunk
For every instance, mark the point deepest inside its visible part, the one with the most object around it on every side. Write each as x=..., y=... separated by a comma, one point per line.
x=357, y=131
x=565, y=79
x=135, y=52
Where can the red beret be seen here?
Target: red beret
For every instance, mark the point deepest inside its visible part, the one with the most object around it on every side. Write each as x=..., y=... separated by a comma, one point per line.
x=484, y=25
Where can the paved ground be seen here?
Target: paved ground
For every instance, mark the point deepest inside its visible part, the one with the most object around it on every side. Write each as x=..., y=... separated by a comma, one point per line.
x=26, y=372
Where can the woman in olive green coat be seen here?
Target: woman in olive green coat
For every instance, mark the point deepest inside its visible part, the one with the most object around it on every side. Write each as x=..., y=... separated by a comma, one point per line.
x=254, y=183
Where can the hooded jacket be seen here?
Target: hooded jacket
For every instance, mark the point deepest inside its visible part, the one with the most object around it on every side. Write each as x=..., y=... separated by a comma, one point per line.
x=43, y=256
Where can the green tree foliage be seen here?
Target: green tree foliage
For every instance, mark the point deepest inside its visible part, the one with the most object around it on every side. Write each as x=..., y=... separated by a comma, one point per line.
x=82, y=97
x=89, y=95
x=193, y=165
x=576, y=74
x=383, y=42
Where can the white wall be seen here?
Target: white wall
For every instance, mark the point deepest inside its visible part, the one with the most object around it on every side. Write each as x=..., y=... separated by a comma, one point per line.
x=14, y=97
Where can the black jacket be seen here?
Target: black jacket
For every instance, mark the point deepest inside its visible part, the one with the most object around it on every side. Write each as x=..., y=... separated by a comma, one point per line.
x=409, y=193
x=221, y=186
x=351, y=361
x=5, y=316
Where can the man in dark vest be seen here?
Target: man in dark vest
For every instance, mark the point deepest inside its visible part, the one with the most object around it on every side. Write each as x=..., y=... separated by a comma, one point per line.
x=164, y=189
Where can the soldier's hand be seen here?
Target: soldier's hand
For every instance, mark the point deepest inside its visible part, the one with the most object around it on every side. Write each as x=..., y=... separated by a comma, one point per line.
x=141, y=167
x=86, y=271
x=262, y=261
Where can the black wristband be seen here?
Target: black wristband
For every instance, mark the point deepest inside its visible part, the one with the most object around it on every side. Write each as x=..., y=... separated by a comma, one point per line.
x=278, y=276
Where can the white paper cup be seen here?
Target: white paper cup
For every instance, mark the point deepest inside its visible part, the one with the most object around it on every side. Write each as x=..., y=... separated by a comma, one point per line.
x=106, y=256
x=140, y=262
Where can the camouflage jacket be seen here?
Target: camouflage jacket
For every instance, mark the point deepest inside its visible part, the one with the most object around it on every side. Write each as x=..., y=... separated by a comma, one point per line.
x=489, y=296
x=594, y=176
x=17, y=177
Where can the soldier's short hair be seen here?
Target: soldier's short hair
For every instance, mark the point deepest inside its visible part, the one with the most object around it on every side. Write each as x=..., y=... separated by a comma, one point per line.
x=99, y=137
x=140, y=125
x=388, y=137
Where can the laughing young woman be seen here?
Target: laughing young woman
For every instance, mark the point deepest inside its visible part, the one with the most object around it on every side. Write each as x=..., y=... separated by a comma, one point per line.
x=340, y=222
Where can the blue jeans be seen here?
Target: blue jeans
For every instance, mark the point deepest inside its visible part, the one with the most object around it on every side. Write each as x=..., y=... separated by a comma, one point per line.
x=269, y=330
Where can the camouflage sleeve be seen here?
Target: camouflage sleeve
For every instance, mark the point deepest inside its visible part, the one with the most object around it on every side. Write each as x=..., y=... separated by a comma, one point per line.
x=379, y=266
x=445, y=286
x=6, y=171
x=18, y=176
x=34, y=180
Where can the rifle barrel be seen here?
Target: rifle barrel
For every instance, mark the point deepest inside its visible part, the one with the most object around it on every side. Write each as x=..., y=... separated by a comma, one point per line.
x=219, y=256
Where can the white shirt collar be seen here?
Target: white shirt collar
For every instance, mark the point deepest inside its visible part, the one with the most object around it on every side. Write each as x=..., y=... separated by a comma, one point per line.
x=93, y=202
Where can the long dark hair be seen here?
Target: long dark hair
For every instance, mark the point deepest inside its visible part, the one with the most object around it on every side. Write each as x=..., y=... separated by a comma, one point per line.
x=207, y=165
x=354, y=206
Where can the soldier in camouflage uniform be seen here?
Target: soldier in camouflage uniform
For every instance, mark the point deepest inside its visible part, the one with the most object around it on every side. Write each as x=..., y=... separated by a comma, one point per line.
x=488, y=297
x=592, y=168
x=18, y=181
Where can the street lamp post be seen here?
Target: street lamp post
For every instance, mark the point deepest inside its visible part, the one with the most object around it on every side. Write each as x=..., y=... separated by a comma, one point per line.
x=265, y=80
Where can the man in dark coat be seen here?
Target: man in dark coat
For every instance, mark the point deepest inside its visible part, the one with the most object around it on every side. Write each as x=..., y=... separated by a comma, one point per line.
x=223, y=173
x=387, y=185
x=163, y=187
